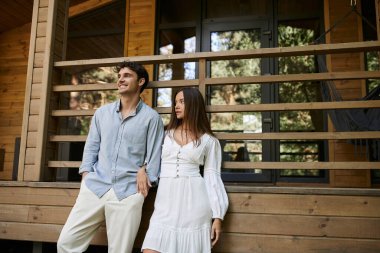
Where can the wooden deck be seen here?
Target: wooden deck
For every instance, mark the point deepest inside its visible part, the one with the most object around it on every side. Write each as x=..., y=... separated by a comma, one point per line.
x=260, y=219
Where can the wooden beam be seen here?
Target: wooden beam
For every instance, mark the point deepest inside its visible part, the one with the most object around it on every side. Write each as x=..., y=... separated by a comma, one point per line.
x=259, y=136
x=225, y=55
x=173, y=83
x=250, y=107
x=70, y=113
x=302, y=165
x=28, y=93
x=68, y=138
x=86, y=6
x=85, y=87
x=202, y=78
x=64, y=164
x=264, y=165
x=293, y=106
x=47, y=73
x=352, y=75
x=300, y=136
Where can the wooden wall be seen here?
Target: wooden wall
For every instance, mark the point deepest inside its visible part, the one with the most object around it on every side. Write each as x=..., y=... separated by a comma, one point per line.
x=350, y=30
x=14, y=49
x=139, y=34
x=260, y=220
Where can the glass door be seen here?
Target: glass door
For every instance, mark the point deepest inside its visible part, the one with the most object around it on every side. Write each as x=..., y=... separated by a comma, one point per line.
x=240, y=36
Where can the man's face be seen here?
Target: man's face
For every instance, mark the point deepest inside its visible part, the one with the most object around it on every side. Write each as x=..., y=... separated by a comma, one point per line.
x=128, y=83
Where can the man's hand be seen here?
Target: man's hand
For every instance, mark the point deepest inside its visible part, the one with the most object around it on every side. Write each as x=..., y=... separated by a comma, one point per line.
x=143, y=183
x=216, y=230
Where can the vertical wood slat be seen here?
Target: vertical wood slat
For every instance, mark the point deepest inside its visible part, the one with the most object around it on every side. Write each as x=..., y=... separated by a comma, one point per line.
x=202, y=78
x=364, y=177
x=331, y=143
x=28, y=92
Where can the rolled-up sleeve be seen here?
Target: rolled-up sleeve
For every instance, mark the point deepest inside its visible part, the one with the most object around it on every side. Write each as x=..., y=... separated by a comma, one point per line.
x=92, y=146
x=155, y=137
x=214, y=184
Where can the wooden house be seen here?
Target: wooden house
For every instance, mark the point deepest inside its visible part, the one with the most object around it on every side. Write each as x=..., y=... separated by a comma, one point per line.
x=296, y=180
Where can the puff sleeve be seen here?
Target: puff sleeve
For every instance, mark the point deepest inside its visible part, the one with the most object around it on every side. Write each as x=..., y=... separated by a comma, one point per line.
x=214, y=184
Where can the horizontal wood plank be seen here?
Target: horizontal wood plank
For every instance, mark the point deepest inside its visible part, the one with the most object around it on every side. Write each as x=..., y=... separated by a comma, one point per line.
x=299, y=225
x=352, y=75
x=300, y=204
x=248, y=243
x=260, y=136
x=290, y=106
x=264, y=79
x=264, y=165
x=238, y=54
x=302, y=165
x=229, y=242
x=251, y=107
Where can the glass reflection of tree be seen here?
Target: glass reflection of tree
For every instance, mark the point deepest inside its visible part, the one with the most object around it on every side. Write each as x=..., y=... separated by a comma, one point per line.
x=297, y=92
x=372, y=60
x=234, y=94
x=237, y=94
x=86, y=100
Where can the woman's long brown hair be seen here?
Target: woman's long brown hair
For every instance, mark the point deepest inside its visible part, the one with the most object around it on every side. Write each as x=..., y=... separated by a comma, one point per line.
x=195, y=115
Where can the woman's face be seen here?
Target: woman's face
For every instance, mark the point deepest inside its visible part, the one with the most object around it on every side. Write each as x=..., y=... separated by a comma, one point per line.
x=179, y=105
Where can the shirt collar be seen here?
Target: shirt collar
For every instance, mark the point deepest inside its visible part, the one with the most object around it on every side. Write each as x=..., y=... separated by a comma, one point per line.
x=138, y=107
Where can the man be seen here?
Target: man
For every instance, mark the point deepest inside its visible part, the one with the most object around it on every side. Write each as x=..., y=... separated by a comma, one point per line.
x=121, y=159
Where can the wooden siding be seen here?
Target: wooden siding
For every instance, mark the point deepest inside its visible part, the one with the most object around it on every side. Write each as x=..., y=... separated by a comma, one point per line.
x=14, y=49
x=267, y=220
x=348, y=31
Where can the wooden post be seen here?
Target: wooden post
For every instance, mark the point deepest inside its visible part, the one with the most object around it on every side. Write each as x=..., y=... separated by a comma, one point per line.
x=49, y=19
x=338, y=150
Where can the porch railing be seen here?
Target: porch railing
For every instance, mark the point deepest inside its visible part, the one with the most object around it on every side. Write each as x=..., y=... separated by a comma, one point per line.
x=203, y=81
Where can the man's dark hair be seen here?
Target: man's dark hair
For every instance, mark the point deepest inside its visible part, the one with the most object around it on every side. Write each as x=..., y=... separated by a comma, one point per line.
x=138, y=69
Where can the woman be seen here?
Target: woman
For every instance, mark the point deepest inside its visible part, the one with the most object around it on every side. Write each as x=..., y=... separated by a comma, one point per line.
x=186, y=202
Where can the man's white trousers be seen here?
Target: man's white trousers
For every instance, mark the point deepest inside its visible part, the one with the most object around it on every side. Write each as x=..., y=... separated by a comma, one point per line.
x=88, y=214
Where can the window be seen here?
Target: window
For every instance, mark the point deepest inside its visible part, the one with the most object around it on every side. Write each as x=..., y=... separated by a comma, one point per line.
x=372, y=64
x=212, y=26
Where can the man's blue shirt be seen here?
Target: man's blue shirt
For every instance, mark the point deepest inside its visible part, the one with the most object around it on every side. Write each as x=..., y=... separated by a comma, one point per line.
x=116, y=148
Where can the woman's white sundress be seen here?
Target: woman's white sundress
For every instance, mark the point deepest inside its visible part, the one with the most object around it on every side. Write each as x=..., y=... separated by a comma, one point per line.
x=185, y=201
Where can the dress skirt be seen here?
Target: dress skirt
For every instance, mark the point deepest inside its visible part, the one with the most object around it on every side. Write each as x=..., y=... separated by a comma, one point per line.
x=181, y=222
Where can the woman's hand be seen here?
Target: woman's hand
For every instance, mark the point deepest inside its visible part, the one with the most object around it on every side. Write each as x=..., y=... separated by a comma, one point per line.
x=84, y=174
x=143, y=183
x=216, y=230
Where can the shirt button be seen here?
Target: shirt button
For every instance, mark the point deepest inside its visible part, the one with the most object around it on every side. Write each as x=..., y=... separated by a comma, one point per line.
x=113, y=171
